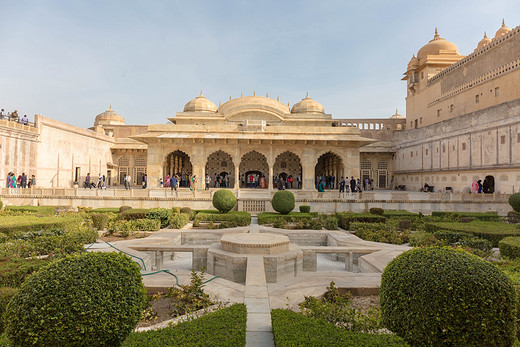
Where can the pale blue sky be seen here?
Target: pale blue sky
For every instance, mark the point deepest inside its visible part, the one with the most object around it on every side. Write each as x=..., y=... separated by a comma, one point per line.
x=69, y=60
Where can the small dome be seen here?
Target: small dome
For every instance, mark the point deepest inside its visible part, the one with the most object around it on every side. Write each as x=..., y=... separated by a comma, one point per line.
x=484, y=41
x=503, y=30
x=200, y=104
x=307, y=105
x=436, y=46
x=397, y=115
x=109, y=117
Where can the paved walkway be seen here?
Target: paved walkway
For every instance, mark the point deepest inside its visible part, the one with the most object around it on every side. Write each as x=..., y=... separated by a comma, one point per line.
x=259, y=331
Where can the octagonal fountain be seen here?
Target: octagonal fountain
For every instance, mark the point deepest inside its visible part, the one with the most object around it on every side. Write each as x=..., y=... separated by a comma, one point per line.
x=228, y=258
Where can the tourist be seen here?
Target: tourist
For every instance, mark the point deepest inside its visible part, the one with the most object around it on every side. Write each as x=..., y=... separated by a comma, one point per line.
x=193, y=185
x=242, y=180
x=366, y=183
x=23, y=181
x=2, y=114
x=104, y=183
x=174, y=181
x=251, y=180
x=128, y=181
x=299, y=180
x=371, y=182
x=208, y=181
x=289, y=182
x=321, y=187
x=358, y=186
x=256, y=180
x=474, y=187
x=100, y=182
x=33, y=181
x=25, y=120
x=263, y=182
x=183, y=180
x=347, y=189
x=352, y=184
x=226, y=181
x=342, y=185
x=167, y=181
x=145, y=181
x=87, y=181
x=8, y=180
x=332, y=181
x=479, y=182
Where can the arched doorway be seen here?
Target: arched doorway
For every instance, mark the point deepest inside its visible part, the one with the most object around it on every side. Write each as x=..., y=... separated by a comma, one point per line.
x=178, y=163
x=288, y=165
x=253, y=163
x=220, y=164
x=489, y=185
x=329, y=169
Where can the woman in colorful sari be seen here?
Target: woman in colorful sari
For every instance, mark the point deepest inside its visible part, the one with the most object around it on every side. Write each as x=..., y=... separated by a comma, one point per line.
x=167, y=181
x=263, y=182
x=193, y=185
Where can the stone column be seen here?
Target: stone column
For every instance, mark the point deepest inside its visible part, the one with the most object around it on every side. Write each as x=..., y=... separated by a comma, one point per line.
x=154, y=165
x=271, y=169
x=309, y=161
x=237, y=176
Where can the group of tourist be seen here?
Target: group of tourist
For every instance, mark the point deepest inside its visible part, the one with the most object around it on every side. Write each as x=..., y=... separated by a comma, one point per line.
x=219, y=181
x=180, y=180
x=91, y=183
x=13, y=116
x=479, y=187
x=22, y=181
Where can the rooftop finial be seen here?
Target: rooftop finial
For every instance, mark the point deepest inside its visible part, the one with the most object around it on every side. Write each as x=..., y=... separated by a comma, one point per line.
x=396, y=112
x=287, y=103
x=436, y=36
x=200, y=92
x=307, y=96
x=485, y=35
x=277, y=98
x=241, y=94
x=230, y=98
x=254, y=92
x=110, y=107
x=266, y=95
x=503, y=22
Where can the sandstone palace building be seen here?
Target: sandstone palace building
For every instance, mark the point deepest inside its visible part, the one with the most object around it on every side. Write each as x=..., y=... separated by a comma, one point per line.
x=462, y=123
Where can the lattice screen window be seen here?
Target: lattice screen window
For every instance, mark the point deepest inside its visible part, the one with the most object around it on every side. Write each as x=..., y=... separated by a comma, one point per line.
x=124, y=162
x=382, y=165
x=366, y=164
x=140, y=161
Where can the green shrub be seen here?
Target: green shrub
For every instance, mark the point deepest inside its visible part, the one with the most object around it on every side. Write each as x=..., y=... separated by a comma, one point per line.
x=176, y=210
x=424, y=239
x=122, y=209
x=293, y=329
x=377, y=210
x=514, y=201
x=283, y=201
x=438, y=296
x=492, y=231
x=12, y=224
x=178, y=221
x=271, y=217
x=305, y=208
x=345, y=218
x=1, y=205
x=104, y=210
x=513, y=217
x=127, y=228
x=135, y=213
x=405, y=224
x=189, y=297
x=466, y=219
x=224, y=200
x=3, y=237
x=476, y=243
x=225, y=327
x=14, y=271
x=39, y=210
x=456, y=216
x=451, y=237
x=400, y=213
x=510, y=247
x=97, y=298
x=233, y=218
x=331, y=223
x=161, y=214
x=6, y=294
x=99, y=220
x=379, y=232
x=186, y=210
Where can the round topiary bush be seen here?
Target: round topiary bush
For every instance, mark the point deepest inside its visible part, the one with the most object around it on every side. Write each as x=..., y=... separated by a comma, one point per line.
x=305, y=209
x=283, y=201
x=514, y=201
x=440, y=296
x=90, y=299
x=99, y=220
x=124, y=208
x=224, y=200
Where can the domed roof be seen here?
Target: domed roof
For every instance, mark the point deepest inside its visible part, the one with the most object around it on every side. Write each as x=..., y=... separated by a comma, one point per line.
x=109, y=117
x=307, y=105
x=200, y=104
x=503, y=30
x=484, y=41
x=436, y=46
x=397, y=115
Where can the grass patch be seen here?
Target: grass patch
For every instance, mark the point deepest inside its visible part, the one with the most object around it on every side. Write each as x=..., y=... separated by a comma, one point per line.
x=492, y=231
x=226, y=327
x=40, y=210
x=487, y=216
x=293, y=329
x=345, y=218
x=105, y=210
x=12, y=224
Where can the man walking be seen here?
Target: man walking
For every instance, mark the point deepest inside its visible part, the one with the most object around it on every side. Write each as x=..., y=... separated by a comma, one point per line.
x=208, y=181
x=352, y=184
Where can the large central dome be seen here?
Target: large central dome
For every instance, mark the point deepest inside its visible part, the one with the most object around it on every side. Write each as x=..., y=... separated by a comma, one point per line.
x=437, y=46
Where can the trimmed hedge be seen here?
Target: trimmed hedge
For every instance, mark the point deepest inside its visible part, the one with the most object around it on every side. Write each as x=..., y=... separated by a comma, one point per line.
x=127, y=227
x=379, y=232
x=488, y=216
x=439, y=296
x=492, y=231
x=135, y=213
x=293, y=329
x=305, y=209
x=14, y=271
x=510, y=247
x=271, y=217
x=230, y=219
x=97, y=298
x=514, y=201
x=6, y=294
x=283, y=201
x=224, y=200
x=225, y=327
x=12, y=224
x=345, y=218
x=161, y=214
x=179, y=220
x=105, y=210
x=400, y=213
x=40, y=210
x=377, y=210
